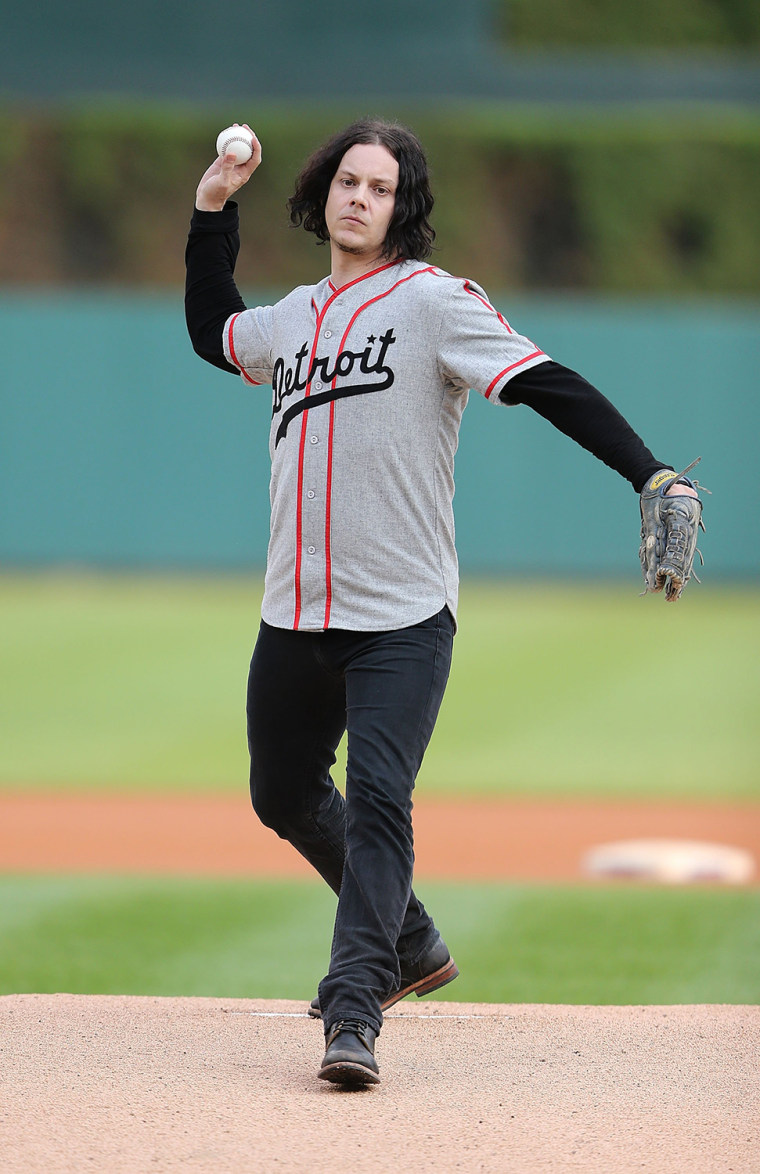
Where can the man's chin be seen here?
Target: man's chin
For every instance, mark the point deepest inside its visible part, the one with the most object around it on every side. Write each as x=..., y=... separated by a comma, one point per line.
x=353, y=250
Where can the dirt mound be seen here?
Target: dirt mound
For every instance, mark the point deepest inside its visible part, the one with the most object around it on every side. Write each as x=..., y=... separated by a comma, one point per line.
x=127, y=1085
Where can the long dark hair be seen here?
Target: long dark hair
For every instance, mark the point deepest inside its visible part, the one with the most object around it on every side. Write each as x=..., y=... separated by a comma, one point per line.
x=410, y=234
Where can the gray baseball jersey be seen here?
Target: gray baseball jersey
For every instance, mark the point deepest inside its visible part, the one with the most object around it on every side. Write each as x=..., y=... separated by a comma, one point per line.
x=369, y=383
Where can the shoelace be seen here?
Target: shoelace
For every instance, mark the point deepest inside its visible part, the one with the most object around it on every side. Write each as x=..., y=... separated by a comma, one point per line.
x=357, y=1026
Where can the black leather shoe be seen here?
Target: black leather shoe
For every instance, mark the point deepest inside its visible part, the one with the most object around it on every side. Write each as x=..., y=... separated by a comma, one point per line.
x=434, y=969
x=350, y=1055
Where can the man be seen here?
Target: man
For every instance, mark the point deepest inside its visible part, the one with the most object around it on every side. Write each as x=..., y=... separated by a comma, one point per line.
x=370, y=371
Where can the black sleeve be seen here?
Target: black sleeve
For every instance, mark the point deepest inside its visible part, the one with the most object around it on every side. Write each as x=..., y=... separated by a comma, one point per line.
x=211, y=295
x=576, y=408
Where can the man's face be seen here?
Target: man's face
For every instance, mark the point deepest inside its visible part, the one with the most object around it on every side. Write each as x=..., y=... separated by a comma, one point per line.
x=361, y=200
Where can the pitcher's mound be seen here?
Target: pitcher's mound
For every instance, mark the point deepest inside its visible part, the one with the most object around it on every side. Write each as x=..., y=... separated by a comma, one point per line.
x=225, y=1086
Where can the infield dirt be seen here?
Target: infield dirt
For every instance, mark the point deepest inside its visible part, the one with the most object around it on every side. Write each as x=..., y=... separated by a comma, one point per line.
x=477, y=840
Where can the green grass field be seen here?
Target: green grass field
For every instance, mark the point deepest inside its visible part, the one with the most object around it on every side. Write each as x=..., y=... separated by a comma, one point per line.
x=513, y=943
x=137, y=683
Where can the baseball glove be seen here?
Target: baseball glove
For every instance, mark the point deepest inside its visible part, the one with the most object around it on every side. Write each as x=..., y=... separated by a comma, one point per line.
x=669, y=528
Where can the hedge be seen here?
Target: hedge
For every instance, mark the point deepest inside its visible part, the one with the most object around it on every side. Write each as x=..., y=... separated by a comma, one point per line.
x=631, y=24
x=648, y=202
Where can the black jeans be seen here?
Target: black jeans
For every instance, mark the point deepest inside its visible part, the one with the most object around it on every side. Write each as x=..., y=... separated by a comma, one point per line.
x=385, y=688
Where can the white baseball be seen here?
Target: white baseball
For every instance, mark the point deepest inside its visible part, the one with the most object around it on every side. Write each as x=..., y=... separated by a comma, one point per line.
x=237, y=141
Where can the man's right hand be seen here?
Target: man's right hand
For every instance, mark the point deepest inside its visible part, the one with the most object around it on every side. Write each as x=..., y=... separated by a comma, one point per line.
x=224, y=177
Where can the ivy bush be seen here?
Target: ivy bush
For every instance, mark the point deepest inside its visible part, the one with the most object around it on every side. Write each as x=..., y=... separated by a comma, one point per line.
x=631, y=24
x=652, y=202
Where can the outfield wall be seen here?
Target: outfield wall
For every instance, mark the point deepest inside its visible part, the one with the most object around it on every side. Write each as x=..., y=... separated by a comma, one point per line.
x=120, y=448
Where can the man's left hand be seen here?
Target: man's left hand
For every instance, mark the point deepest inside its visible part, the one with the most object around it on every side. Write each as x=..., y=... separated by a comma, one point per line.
x=671, y=515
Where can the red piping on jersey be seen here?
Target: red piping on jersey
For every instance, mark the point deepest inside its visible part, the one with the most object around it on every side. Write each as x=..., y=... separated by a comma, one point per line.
x=328, y=495
x=299, y=487
x=401, y=280
x=320, y=315
x=299, y=522
x=507, y=327
x=328, y=501
x=233, y=355
x=356, y=280
x=468, y=289
x=511, y=367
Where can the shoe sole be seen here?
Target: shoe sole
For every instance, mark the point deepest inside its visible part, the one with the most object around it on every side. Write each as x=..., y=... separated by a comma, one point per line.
x=424, y=986
x=347, y=1073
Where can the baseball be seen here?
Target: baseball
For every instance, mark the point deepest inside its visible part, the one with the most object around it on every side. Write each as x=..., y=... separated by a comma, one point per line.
x=237, y=141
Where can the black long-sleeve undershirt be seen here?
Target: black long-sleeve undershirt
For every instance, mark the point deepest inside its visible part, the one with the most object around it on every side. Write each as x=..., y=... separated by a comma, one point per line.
x=561, y=396
x=577, y=408
x=211, y=295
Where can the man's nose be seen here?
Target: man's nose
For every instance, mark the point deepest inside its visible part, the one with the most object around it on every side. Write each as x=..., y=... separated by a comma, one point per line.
x=360, y=196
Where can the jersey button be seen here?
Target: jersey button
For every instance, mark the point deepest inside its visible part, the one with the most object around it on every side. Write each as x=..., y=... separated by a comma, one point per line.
x=328, y=334
x=312, y=549
x=310, y=494
x=314, y=439
x=317, y=386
